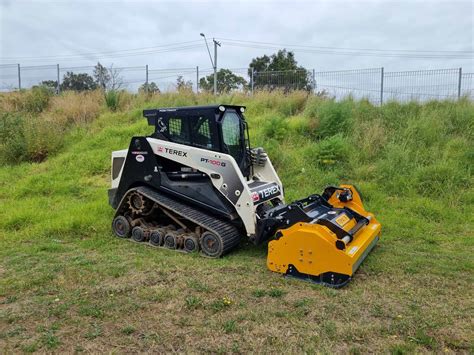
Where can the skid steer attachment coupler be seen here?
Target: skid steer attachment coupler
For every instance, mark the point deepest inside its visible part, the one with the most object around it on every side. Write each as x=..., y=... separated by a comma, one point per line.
x=332, y=238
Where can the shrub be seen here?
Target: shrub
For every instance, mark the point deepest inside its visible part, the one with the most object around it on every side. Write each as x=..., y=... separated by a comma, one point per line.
x=334, y=117
x=276, y=127
x=329, y=151
x=31, y=101
x=112, y=99
x=72, y=108
x=300, y=125
x=36, y=100
x=27, y=138
x=12, y=139
x=43, y=138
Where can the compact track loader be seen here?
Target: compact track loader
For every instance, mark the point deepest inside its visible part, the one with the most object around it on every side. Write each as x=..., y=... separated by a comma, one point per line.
x=195, y=185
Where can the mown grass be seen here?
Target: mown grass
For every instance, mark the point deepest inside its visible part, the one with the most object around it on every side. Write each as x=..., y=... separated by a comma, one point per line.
x=67, y=285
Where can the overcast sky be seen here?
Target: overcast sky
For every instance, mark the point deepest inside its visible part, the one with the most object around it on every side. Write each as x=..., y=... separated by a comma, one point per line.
x=31, y=29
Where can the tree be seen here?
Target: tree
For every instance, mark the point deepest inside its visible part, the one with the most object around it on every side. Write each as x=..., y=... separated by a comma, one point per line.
x=279, y=71
x=51, y=85
x=226, y=82
x=77, y=82
x=108, y=79
x=101, y=76
x=183, y=85
x=150, y=88
x=116, y=81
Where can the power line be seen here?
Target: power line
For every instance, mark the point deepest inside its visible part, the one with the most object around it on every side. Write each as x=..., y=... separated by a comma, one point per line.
x=350, y=49
x=117, y=53
x=329, y=52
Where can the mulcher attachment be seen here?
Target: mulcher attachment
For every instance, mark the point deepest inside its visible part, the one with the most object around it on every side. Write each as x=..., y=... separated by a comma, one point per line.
x=323, y=238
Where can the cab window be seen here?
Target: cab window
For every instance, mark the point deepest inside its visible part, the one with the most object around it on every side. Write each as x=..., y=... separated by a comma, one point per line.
x=177, y=130
x=232, y=134
x=191, y=130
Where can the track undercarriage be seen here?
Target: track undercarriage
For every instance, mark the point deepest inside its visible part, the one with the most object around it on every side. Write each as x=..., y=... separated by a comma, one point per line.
x=147, y=216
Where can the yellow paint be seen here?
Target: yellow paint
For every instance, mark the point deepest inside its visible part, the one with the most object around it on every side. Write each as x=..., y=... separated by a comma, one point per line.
x=311, y=248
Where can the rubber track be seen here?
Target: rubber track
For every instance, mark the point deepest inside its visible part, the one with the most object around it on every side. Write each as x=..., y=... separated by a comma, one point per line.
x=228, y=233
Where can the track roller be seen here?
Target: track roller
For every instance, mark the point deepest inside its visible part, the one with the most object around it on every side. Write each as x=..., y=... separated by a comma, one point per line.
x=171, y=238
x=191, y=243
x=157, y=236
x=138, y=234
x=121, y=227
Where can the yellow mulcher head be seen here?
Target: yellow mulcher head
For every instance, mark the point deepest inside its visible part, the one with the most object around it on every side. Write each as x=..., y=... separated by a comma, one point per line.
x=333, y=236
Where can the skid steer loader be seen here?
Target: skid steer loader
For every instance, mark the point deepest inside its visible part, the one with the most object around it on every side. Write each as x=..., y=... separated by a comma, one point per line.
x=195, y=185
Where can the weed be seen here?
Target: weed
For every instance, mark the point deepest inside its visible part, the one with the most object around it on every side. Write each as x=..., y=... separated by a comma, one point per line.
x=128, y=330
x=230, y=326
x=50, y=340
x=302, y=303
x=424, y=339
x=30, y=347
x=259, y=293
x=198, y=286
x=94, y=332
x=91, y=311
x=220, y=304
x=193, y=302
x=276, y=293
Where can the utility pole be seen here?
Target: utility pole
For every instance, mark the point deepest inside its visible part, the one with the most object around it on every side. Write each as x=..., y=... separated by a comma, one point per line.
x=197, y=80
x=213, y=62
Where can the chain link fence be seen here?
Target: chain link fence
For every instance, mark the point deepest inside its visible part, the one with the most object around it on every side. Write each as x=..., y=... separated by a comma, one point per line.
x=374, y=84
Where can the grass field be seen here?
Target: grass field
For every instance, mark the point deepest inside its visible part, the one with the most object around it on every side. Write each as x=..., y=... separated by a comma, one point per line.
x=67, y=285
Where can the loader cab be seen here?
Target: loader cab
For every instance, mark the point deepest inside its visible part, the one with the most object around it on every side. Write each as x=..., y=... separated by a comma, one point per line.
x=220, y=128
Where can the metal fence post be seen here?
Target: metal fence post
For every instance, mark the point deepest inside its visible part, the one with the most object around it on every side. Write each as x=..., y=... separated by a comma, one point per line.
x=381, y=85
x=146, y=79
x=314, y=82
x=197, y=79
x=19, y=77
x=252, y=76
x=459, y=83
x=58, y=83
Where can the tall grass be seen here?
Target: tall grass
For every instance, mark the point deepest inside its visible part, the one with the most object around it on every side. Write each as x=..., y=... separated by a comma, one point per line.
x=407, y=148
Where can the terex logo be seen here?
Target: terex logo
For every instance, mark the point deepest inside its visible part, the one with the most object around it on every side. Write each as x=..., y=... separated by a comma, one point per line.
x=255, y=197
x=266, y=193
x=172, y=151
x=213, y=162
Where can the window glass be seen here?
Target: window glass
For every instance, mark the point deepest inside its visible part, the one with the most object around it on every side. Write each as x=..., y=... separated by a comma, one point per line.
x=231, y=134
x=177, y=130
x=201, y=132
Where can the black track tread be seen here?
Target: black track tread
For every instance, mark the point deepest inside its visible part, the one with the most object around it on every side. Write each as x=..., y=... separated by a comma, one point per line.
x=228, y=233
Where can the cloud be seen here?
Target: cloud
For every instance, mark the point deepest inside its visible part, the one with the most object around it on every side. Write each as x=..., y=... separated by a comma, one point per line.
x=49, y=28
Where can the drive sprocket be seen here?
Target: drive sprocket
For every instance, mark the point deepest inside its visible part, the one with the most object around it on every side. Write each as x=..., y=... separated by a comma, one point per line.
x=139, y=204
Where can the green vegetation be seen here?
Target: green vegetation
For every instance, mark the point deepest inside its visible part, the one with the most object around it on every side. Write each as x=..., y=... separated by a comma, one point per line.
x=67, y=285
